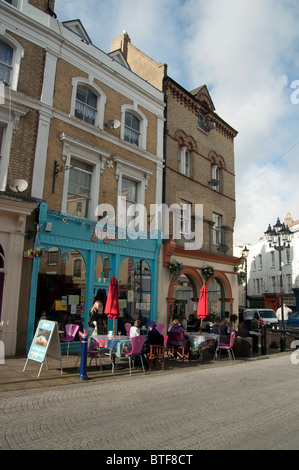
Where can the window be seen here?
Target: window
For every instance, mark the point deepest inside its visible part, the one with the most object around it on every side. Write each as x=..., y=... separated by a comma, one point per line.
x=272, y=259
x=79, y=188
x=6, y=62
x=184, y=161
x=133, y=125
x=88, y=102
x=132, y=129
x=129, y=191
x=12, y=2
x=77, y=267
x=185, y=218
x=261, y=261
x=86, y=105
x=215, y=177
x=53, y=257
x=1, y=137
x=217, y=229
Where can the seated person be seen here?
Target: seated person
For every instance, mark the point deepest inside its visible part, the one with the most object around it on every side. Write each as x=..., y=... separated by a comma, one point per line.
x=223, y=328
x=135, y=329
x=154, y=337
x=176, y=328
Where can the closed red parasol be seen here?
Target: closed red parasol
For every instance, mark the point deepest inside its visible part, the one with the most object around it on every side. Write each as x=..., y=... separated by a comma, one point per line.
x=112, y=305
x=202, y=309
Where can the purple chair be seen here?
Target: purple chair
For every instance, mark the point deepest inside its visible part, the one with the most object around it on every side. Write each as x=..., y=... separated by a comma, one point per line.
x=160, y=327
x=93, y=350
x=128, y=327
x=227, y=347
x=70, y=333
x=136, y=350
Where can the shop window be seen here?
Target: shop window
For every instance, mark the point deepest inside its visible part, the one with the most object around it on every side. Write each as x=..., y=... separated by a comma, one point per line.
x=135, y=290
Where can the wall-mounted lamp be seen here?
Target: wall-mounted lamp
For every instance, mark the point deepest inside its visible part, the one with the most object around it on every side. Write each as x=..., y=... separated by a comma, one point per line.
x=56, y=170
x=106, y=269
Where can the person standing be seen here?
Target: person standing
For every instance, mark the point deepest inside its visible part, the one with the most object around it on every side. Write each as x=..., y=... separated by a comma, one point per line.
x=96, y=321
x=286, y=312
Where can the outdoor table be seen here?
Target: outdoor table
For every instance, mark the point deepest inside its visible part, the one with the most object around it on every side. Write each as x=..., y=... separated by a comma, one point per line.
x=198, y=341
x=115, y=345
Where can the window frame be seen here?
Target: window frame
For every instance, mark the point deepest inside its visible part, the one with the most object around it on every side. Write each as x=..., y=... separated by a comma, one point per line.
x=217, y=229
x=143, y=124
x=184, y=161
x=101, y=101
x=18, y=54
x=90, y=155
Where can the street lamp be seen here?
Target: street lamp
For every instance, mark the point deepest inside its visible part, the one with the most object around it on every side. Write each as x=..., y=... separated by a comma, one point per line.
x=245, y=253
x=279, y=237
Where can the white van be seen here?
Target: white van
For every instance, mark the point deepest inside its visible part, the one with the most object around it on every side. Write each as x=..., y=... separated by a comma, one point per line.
x=252, y=315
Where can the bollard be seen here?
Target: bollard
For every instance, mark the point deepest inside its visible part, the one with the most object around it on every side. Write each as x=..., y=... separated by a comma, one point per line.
x=82, y=373
x=264, y=340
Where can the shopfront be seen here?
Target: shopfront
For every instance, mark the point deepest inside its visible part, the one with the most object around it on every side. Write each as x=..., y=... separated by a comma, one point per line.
x=73, y=269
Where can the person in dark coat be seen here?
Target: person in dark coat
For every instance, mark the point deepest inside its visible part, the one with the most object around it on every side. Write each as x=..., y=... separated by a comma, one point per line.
x=153, y=337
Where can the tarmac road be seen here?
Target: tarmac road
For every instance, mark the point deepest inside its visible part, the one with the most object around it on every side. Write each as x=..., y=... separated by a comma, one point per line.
x=247, y=405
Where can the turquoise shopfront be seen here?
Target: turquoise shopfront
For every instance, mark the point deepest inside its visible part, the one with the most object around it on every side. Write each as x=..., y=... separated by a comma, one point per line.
x=72, y=267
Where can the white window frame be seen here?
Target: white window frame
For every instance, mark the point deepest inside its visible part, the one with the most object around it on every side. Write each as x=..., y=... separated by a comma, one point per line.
x=18, y=54
x=184, y=161
x=186, y=218
x=215, y=175
x=133, y=109
x=87, y=154
x=133, y=172
x=217, y=229
x=101, y=100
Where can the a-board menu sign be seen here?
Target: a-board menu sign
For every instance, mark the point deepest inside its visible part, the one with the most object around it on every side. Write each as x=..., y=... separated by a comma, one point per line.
x=45, y=343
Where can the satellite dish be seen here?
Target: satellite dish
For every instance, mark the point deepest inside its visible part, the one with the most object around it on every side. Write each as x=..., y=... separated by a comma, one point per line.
x=113, y=124
x=18, y=186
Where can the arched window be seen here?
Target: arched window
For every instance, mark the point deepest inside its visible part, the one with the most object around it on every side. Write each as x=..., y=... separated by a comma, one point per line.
x=88, y=102
x=86, y=105
x=132, y=129
x=184, y=161
x=133, y=125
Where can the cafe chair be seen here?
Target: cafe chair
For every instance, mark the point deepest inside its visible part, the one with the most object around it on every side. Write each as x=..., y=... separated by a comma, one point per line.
x=157, y=352
x=127, y=328
x=160, y=327
x=136, y=350
x=227, y=347
x=175, y=345
x=70, y=333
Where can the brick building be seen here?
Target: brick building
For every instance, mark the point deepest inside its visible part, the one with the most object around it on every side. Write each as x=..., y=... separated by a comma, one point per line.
x=199, y=170
x=80, y=130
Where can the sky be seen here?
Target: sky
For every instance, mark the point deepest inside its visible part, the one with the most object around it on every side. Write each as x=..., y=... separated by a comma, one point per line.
x=247, y=53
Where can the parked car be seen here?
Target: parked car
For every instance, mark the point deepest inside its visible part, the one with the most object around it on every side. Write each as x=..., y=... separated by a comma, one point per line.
x=294, y=319
x=251, y=317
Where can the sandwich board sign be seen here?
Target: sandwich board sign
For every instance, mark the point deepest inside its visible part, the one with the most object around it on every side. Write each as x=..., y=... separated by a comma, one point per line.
x=45, y=344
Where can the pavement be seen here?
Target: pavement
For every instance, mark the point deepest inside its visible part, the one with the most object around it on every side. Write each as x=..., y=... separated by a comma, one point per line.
x=13, y=378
